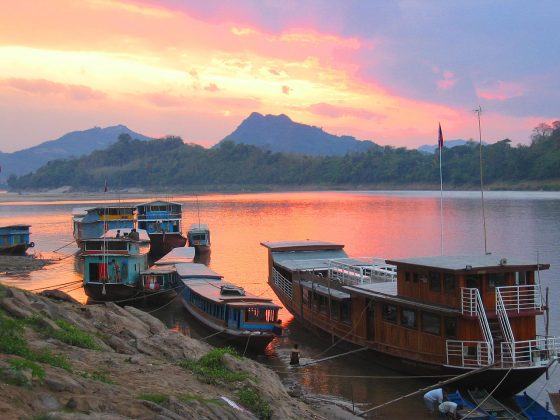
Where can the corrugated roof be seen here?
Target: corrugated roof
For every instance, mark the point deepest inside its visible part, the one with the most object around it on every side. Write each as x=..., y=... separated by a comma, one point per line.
x=307, y=260
x=301, y=245
x=158, y=202
x=460, y=263
x=198, y=227
x=212, y=290
x=194, y=270
x=177, y=256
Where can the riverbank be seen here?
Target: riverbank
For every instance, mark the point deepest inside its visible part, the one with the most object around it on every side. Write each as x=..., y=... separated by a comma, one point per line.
x=15, y=264
x=66, y=360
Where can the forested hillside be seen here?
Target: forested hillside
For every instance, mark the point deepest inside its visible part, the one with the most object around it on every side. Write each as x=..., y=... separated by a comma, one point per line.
x=171, y=164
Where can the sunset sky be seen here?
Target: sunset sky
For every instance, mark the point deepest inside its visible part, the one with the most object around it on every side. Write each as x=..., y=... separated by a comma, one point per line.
x=386, y=71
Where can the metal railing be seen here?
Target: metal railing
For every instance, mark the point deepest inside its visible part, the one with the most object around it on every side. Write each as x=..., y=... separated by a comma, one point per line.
x=471, y=304
x=353, y=271
x=521, y=298
x=538, y=352
x=282, y=283
x=505, y=325
x=468, y=353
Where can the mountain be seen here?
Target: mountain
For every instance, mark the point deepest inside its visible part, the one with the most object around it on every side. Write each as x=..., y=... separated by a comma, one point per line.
x=74, y=144
x=278, y=133
x=431, y=148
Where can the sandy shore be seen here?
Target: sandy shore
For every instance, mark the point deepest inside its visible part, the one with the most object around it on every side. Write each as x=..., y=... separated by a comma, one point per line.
x=21, y=264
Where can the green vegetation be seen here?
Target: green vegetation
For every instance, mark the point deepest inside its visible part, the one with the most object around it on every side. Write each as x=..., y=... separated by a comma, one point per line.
x=155, y=398
x=97, y=375
x=67, y=333
x=251, y=399
x=37, y=371
x=210, y=368
x=169, y=162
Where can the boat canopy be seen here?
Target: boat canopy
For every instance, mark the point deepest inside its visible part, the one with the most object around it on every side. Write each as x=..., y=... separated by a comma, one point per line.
x=194, y=270
x=468, y=263
x=177, y=256
x=302, y=260
x=308, y=245
x=159, y=269
x=198, y=228
x=212, y=291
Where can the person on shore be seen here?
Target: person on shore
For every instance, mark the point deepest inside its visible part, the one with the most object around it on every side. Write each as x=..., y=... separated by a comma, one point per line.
x=449, y=409
x=294, y=356
x=433, y=399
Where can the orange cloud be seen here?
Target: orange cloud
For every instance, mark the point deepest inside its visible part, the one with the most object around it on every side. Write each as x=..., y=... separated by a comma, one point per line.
x=343, y=111
x=41, y=87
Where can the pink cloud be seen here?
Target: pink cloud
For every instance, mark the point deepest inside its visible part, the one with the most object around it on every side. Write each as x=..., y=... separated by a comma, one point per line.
x=448, y=81
x=286, y=90
x=212, y=87
x=342, y=111
x=164, y=100
x=502, y=92
x=42, y=87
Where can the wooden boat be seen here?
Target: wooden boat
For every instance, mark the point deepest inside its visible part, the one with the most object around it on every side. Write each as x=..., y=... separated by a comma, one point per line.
x=423, y=316
x=160, y=283
x=162, y=220
x=177, y=256
x=112, y=268
x=492, y=406
x=532, y=409
x=199, y=237
x=92, y=222
x=243, y=318
x=14, y=239
x=469, y=410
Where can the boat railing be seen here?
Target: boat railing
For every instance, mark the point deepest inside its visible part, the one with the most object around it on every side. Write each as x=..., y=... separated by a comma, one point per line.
x=471, y=304
x=468, y=353
x=282, y=283
x=159, y=215
x=505, y=325
x=353, y=271
x=529, y=353
x=521, y=298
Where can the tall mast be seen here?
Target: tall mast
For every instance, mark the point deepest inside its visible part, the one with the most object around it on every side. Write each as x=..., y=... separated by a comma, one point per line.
x=478, y=112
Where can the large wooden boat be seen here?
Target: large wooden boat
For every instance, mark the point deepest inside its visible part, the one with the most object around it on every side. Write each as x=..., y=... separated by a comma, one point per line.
x=424, y=316
x=112, y=268
x=160, y=283
x=243, y=318
x=92, y=222
x=14, y=239
x=162, y=220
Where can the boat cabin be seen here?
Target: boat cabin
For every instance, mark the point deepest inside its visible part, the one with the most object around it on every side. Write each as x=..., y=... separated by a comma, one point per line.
x=159, y=278
x=14, y=239
x=199, y=235
x=92, y=222
x=159, y=216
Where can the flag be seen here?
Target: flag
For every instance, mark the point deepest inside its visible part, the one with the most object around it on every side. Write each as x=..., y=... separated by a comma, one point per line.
x=105, y=185
x=440, y=138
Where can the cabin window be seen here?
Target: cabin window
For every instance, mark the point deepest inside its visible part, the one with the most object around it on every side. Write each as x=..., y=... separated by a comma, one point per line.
x=335, y=314
x=345, y=312
x=449, y=282
x=521, y=278
x=450, y=325
x=390, y=313
x=415, y=277
x=496, y=280
x=117, y=246
x=408, y=318
x=93, y=246
x=407, y=276
x=473, y=282
x=431, y=323
x=435, y=281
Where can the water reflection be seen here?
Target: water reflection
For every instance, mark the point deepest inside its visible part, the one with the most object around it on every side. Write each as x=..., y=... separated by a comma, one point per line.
x=387, y=224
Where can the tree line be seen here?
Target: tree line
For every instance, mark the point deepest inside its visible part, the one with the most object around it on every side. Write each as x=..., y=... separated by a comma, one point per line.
x=170, y=164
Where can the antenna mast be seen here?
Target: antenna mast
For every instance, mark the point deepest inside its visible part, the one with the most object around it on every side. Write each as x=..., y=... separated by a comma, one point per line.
x=478, y=112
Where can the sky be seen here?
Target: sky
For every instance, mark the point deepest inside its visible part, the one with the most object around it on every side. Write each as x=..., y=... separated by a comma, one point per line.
x=383, y=70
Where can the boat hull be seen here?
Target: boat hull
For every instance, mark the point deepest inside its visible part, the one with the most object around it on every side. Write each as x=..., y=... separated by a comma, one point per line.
x=163, y=243
x=114, y=292
x=517, y=380
x=255, y=341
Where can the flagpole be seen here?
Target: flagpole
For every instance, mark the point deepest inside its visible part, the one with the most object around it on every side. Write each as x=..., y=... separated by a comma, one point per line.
x=478, y=112
x=440, y=147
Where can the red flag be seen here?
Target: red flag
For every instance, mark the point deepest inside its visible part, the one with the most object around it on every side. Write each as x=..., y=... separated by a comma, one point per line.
x=440, y=138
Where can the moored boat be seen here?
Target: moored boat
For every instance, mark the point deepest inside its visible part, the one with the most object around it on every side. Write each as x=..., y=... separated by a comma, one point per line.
x=162, y=220
x=160, y=283
x=243, y=318
x=469, y=410
x=423, y=316
x=532, y=409
x=492, y=406
x=112, y=268
x=177, y=256
x=14, y=239
x=198, y=237
x=92, y=222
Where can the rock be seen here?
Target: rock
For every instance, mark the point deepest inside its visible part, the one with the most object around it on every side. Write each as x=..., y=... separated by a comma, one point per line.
x=21, y=296
x=155, y=325
x=120, y=346
x=168, y=414
x=59, y=383
x=11, y=306
x=58, y=295
x=72, y=404
x=45, y=401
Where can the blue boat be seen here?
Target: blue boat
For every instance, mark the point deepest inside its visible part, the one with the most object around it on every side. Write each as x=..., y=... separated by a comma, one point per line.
x=92, y=222
x=112, y=268
x=162, y=220
x=243, y=318
x=14, y=239
x=469, y=410
x=199, y=237
x=532, y=409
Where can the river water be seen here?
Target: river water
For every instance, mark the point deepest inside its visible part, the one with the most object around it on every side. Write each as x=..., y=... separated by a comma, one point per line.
x=382, y=224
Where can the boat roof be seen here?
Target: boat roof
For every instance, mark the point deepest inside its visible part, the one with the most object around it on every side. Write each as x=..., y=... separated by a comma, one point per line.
x=160, y=269
x=81, y=211
x=177, y=256
x=195, y=270
x=149, y=203
x=112, y=233
x=468, y=263
x=304, y=260
x=15, y=226
x=307, y=245
x=198, y=226
x=212, y=291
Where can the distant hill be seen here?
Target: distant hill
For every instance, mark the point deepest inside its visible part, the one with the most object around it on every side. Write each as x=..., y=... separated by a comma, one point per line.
x=431, y=148
x=74, y=144
x=278, y=133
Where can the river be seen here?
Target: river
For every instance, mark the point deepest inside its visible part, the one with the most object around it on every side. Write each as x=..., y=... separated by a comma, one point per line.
x=382, y=224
